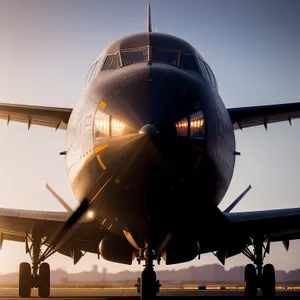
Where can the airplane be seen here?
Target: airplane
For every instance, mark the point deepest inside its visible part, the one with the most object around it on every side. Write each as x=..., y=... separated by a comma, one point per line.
x=150, y=153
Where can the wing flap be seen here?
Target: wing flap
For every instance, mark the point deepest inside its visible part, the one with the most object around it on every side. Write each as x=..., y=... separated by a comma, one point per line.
x=251, y=116
x=12, y=236
x=54, y=117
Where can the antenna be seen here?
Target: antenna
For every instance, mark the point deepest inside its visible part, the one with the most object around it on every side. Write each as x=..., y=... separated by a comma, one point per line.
x=149, y=26
x=60, y=200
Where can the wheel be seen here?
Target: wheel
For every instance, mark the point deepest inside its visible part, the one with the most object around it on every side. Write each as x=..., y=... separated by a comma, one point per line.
x=158, y=285
x=148, y=285
x=44, y=280
x=268, y=281
x=24, y=280
x=250, y=284
x=138, y=285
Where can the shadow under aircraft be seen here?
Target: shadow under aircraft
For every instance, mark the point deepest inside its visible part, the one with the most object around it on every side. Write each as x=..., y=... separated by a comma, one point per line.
x=150, y=153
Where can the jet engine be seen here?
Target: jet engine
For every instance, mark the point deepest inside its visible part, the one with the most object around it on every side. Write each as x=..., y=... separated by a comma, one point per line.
x=180, y=250
x=117, y=249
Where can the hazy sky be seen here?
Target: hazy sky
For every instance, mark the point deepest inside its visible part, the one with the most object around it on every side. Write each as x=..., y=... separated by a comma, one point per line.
x=47, y=47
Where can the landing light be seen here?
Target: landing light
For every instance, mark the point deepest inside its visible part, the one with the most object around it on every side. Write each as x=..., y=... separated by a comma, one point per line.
x=90, y=214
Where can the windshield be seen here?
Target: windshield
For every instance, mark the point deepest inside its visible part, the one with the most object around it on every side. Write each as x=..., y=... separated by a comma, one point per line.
x=111, y=62
x=167, y=56
x=133, y=56
x=188, y=62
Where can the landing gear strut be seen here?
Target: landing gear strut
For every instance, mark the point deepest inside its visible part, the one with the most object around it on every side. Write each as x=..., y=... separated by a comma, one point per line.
x=147, y=285
x=36, y=275
x=258, y=275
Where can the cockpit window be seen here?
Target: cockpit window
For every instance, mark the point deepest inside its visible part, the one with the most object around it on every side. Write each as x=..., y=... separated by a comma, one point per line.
x=211, y=76
x=133, y=56
x=111, y=62
x=203, y=69
x=167, y=56
x=173, y=57
x=188, y=62
x=90, y=73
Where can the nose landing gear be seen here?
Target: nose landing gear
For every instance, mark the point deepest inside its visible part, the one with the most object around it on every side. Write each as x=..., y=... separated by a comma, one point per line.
x=147, y=285
x=257, y=275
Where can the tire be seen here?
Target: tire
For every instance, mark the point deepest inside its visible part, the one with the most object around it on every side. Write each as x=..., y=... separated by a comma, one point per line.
x=148, y=285
x=138, y=285
x=250, y=283
x=44, y=280
x=25, y=280
x=268, y=281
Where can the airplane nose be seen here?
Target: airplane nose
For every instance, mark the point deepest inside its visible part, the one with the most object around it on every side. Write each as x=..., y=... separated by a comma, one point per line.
x=149, y=129
x=151, y=100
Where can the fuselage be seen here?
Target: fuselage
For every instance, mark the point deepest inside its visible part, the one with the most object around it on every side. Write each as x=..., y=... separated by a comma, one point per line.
x=150, y=142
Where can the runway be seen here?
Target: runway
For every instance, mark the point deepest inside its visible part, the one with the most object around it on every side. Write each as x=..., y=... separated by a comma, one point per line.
x=115, y=293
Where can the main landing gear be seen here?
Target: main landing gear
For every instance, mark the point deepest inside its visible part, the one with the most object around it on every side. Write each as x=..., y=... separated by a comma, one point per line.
x=257, y=275
x=147, y=285
x=35, y=275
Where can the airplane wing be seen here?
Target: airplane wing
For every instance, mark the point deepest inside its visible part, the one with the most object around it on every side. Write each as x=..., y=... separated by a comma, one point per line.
x=54, y=117
x=235, y=232
x=244, y=117
x=17, y=225
x=276, y=225
x=269, y=225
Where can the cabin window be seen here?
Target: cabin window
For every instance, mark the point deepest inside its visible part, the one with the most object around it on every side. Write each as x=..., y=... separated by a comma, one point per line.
x=188, y=62
x=197, y=125
x=182, y=127
x=167, y=56
x=101, y=125
x=133, y=56
x=111, y=62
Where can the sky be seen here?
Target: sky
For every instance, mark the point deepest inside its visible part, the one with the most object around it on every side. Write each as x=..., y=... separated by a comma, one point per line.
x=47, y=48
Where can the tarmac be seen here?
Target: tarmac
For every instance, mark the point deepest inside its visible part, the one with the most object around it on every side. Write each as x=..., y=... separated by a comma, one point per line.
x=130, y=293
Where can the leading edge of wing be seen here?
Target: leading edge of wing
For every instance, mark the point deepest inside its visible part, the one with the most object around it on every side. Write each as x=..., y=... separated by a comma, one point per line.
x=18, y=224
x=55, y=117
x=263, y=214
x=277, y=222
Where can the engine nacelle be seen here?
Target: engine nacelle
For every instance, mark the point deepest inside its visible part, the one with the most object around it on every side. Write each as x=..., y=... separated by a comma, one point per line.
x=180, y=250
x=117, y=249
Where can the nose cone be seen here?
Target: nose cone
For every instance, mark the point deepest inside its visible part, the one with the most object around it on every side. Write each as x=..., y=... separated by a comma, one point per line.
x=160, y=95
x=149, y=129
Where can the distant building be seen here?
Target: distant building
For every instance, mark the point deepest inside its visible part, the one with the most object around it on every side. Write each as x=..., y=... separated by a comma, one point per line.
x=104, y=272
x=64, y=281
x=95, y=269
